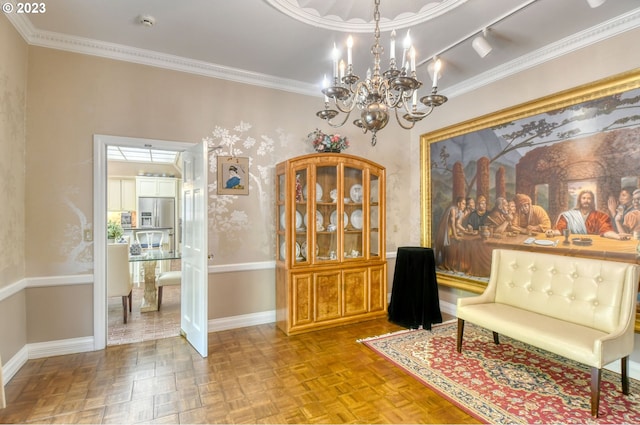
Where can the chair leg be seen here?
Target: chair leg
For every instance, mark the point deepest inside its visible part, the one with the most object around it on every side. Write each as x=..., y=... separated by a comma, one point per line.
x=496, y=338
x=460, y=333
x=159, y=296
x=624, y=368
x=124, y=308
x=595, y=390
x=130, y=300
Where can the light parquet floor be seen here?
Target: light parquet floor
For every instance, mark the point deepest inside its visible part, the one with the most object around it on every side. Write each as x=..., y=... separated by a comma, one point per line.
x=252, y=375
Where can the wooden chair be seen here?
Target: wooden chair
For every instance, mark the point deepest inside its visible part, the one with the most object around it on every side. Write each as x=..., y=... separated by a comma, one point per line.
x=118, y=276
x=167, y=279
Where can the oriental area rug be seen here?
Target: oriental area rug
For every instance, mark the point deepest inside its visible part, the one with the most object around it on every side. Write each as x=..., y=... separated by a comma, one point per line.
x=507, y=383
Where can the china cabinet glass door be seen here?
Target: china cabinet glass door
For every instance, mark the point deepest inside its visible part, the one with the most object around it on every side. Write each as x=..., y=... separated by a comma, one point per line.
x=374, y=216
x=326, y=238
x=353, y=216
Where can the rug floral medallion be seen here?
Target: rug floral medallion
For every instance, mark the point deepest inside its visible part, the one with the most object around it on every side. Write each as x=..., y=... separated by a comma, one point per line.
x=507, y=383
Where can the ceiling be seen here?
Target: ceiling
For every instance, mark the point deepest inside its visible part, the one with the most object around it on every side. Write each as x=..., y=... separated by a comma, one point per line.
x=286, y=44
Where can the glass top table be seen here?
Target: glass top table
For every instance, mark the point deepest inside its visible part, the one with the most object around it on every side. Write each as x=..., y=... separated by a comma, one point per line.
x=149, y=261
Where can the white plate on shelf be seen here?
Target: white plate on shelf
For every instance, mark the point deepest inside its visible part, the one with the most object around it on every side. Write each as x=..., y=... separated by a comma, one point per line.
x=318, y=192
x=356, y=219
x=319, y=220
x=356, y=193
x=303, y=249
x=334, y=218
x=299, y=220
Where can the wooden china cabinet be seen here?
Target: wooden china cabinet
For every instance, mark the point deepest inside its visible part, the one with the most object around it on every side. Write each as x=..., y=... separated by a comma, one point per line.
x=331, y=267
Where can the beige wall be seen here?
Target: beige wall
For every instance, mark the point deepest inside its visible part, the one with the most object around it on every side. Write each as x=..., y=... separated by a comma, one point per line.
x=13, y=95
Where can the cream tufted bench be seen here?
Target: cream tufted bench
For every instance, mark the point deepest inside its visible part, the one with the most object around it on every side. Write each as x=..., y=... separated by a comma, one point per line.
x=582, y=309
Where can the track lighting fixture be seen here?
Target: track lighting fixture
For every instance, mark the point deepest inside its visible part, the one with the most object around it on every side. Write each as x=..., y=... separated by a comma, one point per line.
x=481, y=45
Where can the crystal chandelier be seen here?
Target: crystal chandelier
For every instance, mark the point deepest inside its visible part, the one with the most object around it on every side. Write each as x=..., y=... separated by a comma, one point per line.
x=379, y=93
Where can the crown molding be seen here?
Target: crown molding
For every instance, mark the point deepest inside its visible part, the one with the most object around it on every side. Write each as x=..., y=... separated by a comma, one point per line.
x=611, y=28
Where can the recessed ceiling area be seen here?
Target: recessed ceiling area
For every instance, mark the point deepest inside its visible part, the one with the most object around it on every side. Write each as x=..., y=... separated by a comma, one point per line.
x=129, y=154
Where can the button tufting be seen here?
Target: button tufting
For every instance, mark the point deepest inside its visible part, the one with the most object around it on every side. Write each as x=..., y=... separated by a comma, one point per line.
x=574, y=275
x=596, y=303
x=599, y=279
x=549, y=293
x=533, y=268
x=511, y=285
x=529, y=289
x=554, y=271
x=572, y=297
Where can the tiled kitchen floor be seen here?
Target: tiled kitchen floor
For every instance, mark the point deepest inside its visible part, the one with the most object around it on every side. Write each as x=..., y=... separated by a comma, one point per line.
x=144, y=326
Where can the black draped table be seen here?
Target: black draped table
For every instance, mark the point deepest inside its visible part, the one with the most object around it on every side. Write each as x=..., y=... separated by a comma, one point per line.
x=414, y=295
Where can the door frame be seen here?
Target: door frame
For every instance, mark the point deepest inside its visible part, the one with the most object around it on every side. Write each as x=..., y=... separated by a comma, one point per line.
x=100, y=143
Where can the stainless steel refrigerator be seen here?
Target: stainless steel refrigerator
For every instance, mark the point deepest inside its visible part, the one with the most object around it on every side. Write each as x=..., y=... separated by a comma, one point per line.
x=158, y=214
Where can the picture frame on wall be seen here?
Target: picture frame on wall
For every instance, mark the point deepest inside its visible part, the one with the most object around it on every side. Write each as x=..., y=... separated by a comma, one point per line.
x=524, y=171
x=233, y=175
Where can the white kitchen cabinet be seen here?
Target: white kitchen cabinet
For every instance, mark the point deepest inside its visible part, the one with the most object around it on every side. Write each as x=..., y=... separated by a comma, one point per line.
x=121, y=194
x=156, y=186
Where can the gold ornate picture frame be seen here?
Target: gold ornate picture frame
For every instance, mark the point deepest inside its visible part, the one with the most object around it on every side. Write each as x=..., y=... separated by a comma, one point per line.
x=547, y=151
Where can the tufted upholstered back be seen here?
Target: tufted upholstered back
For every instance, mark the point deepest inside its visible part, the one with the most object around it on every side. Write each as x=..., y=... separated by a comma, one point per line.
x=585, y=291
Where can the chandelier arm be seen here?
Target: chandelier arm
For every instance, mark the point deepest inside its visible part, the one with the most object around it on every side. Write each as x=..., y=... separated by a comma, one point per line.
x=401, y=122
x=346, y=117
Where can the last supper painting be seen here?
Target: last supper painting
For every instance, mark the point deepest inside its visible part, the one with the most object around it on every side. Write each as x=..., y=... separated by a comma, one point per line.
x=558, y=175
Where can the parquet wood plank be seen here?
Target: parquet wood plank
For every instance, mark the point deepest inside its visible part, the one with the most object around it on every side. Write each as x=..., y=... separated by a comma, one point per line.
x=253, y=375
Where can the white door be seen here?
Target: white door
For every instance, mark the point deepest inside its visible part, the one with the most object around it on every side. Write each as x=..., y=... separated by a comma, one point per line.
x=194, y=248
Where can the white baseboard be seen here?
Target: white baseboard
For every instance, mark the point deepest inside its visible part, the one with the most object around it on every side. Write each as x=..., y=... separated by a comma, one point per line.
x=14, y=364
x=241, y=321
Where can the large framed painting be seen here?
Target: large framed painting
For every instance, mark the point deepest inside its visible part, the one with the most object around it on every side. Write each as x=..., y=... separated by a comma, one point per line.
x=556, y=175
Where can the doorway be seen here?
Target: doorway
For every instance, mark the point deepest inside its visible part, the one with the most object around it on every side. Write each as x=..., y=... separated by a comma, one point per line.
x=143, y=208
x=101, y=173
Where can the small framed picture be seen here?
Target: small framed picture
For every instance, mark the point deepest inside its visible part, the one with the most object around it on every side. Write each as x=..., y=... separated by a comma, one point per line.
x=233, y=175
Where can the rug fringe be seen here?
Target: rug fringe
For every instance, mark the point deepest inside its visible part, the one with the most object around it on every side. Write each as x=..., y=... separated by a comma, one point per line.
x=361, y=340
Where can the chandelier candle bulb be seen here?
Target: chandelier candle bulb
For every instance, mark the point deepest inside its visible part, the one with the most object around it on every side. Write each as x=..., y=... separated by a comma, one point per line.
x=349, y=48
x=412, y=55
x=436, y=71
x=336, y=56
x=392, y=49
x=342, y=66
x=406, y=45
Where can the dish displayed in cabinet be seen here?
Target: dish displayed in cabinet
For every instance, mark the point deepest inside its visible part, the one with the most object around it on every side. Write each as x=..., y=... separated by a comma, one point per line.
x=299, y=220
x=333, y=219
x=318, y=192
x=283, y=250
x=303, y=249
x=319, y=220
x=356, y=193
x=356, y=219
x=333, y=194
